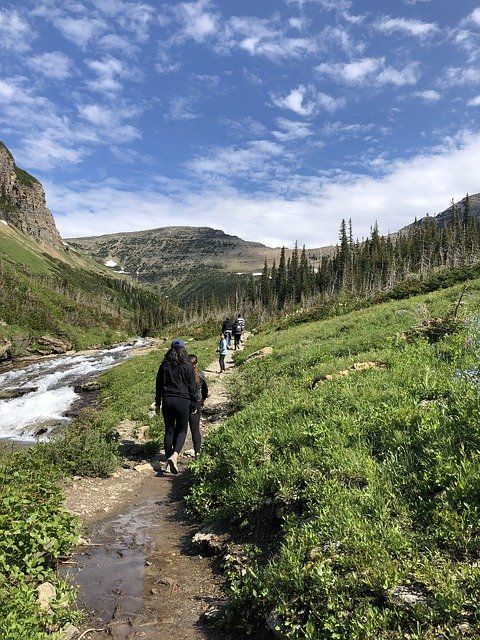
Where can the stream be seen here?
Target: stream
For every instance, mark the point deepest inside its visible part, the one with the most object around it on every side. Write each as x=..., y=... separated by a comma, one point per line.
x=44, y=391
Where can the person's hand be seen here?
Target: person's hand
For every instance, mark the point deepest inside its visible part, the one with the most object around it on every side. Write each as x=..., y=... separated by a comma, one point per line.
x=192, y=413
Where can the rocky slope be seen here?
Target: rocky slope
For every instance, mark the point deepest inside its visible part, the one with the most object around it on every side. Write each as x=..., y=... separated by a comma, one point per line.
x=444, y=217
x=169, y=254
x=22, y=202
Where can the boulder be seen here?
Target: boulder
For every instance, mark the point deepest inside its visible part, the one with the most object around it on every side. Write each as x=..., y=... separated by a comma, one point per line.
x=8, y=394
x=46, y=593
x=5, y=350
x=55, y=345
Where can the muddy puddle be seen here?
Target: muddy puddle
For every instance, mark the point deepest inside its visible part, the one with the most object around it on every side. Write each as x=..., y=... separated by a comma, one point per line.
x=109, y=572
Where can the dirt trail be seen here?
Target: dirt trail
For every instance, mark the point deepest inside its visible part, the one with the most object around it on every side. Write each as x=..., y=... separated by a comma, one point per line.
x=137, y=575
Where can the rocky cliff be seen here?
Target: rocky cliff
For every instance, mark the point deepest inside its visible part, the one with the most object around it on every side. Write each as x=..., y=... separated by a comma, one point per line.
x=22, y=202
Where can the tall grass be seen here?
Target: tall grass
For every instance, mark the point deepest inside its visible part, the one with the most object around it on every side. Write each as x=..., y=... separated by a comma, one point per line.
x=371, y=478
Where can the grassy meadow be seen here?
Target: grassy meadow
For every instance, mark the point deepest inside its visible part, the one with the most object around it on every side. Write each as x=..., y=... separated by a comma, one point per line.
x=367, y=483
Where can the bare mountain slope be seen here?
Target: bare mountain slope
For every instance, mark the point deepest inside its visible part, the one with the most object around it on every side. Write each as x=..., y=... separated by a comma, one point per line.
x=169, y=254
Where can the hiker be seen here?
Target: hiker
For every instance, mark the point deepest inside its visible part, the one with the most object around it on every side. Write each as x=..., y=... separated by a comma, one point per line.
x=223, y=350
x=202, y=395
x=240, y=321
x=176, y=394
x=237, y=334
x=227, y=329
x=238, y=327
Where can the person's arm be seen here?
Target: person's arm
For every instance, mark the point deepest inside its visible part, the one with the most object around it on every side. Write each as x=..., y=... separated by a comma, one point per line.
x=159, y=389
x=204, y=387
x=192, y=389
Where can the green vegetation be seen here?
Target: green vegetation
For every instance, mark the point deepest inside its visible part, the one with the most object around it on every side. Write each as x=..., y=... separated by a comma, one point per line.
x=69, y=298
x=35, y=530
x=367, y=482
x=423, y=258
x=351, y=465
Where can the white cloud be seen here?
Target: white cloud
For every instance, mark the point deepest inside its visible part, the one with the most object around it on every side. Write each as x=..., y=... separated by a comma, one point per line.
x=291, y=130
x=474, y=102
x=198, y=22
x=306, y=101
x=429, y=95
x=134, y=17
x=254, y=161
x=180, y=108
x=474, y=17
x=45, y=151
x=54, y=64
x=314, y=213
x=342, y=130
x=110, y=122
x=110, y=71
x=414, y=28
x=15, y=33
x=80, y=31
x=115, y=42
x=298, y=100
x=461, y=76
x=372, y=71
x=260, y=37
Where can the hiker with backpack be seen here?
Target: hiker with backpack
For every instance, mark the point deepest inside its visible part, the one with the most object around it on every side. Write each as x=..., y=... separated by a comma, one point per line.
x=238, y=327
x=237, y=334
x=202, y=395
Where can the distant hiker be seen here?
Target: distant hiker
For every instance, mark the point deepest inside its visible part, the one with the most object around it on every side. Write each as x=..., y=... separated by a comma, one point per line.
x=202, y=395
x=176, y=394
x=223, y=350
x=227, y=330
x=237, y=334
x=240, y=321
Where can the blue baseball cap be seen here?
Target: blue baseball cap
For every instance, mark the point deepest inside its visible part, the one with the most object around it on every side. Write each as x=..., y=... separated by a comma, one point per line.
x=178, y=343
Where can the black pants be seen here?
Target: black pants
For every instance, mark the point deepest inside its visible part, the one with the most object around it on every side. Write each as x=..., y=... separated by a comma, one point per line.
x=175, y=416
x=236, y=340
x=221, y=361
x=194, y=422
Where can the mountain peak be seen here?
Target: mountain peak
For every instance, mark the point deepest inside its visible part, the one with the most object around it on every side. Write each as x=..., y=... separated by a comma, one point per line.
x=22, y=202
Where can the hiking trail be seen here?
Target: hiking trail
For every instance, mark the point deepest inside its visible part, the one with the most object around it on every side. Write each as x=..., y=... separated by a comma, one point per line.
x=137, y=573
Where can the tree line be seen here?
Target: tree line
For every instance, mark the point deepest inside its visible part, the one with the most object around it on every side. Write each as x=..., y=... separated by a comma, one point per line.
x=373, y=265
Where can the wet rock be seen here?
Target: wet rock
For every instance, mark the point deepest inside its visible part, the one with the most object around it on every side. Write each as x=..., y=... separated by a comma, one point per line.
x=89, y=385
x=16, y=393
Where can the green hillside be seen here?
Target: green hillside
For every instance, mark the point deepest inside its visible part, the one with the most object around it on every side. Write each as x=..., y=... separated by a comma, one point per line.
x=347, y=478
x=67, y=296
x=352, y=469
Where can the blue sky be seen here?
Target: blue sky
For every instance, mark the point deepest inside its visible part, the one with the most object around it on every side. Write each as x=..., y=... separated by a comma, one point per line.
x=269, y=119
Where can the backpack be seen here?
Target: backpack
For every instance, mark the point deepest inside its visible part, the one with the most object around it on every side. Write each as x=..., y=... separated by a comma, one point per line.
x=237, y=329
